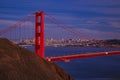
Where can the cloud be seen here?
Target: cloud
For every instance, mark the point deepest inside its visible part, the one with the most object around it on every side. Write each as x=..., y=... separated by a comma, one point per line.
x=8, y=16
x=100, y=27
x=101, y=17
x=116, y=25
x=101, y=34
x=9, y=23
x=97, y=2
x=56, y=32
x=95, y=23
x=108, y=11
x=100, y=7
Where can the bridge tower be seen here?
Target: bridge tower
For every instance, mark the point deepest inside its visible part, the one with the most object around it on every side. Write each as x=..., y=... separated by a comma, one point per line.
x=39, y=34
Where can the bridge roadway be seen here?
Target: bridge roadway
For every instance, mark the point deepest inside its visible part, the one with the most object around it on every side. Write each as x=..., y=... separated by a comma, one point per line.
x=78, y=56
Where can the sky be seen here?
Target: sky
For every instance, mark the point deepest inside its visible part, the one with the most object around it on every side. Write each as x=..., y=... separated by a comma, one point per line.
x=99, y=19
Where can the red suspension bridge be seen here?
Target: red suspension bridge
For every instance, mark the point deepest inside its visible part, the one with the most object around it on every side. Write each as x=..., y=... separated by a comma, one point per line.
x=25, y=29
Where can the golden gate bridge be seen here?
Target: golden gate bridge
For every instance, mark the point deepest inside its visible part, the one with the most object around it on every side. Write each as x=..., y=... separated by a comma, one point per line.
x=25, y=29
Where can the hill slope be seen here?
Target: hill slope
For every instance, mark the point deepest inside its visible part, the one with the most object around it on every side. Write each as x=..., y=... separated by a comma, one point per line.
x=17, y=63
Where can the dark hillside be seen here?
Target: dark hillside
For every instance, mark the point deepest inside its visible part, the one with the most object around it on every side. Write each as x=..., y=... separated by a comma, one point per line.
x=17, y=63
x=113, y=41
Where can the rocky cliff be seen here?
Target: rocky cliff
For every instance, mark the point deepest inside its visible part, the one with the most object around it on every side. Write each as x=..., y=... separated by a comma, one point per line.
x=17, y=63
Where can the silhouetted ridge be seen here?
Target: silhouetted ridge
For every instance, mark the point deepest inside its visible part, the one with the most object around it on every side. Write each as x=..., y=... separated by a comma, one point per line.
x=17, y=63
x=113, y=41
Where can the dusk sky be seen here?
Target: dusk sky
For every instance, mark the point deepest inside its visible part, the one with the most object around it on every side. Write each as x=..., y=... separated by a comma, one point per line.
x=97, y=18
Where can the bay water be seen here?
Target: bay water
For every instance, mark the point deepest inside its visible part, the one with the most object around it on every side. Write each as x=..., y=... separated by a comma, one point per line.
x=94, y=68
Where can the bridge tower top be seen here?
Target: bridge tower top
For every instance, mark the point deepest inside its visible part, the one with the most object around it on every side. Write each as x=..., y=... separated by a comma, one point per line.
x=39, y=34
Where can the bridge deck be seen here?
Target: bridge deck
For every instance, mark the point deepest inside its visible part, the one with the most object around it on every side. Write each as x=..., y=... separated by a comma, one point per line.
x=77, y=56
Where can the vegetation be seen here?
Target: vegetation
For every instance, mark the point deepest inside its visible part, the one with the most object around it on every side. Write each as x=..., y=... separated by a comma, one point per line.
x=17, y=63
x=113, y=41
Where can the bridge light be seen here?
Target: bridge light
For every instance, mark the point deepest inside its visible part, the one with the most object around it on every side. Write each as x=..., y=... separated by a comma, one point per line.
x=106, y=53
